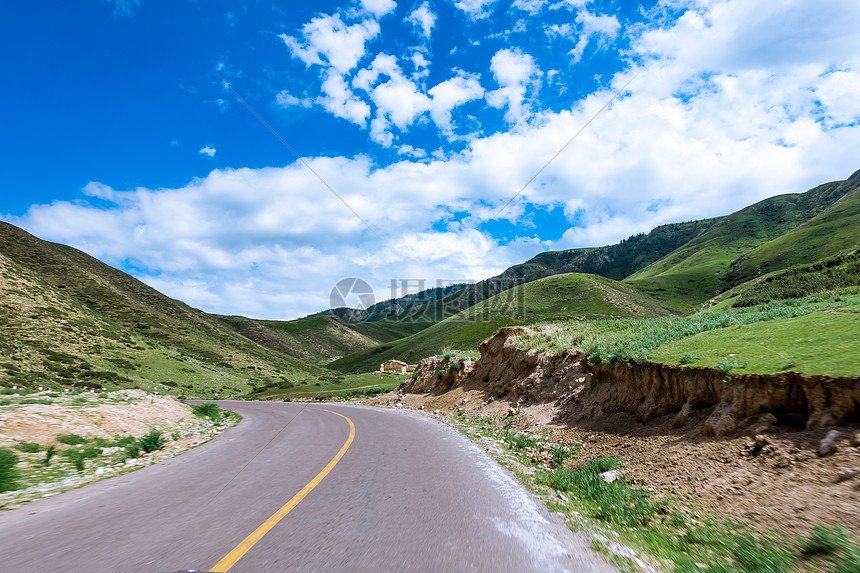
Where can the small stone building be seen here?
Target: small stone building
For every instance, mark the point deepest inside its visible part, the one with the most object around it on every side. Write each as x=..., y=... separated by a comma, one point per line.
x=393, y=366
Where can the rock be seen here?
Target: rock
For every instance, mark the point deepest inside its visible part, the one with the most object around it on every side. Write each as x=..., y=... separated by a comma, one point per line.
x=855, y=440
x=759, y=442
x=435, y=411
x=845, y=475
x=610, y=476
x=828, y=444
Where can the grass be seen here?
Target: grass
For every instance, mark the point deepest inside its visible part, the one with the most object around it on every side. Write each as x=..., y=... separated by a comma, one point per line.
x=557, y=297
x=708, y=336
x=151, y=441
x=683, y=538
x=8, y=471
x=816, y=343
x=776, y=233
x=209, y=410
x=339, y=386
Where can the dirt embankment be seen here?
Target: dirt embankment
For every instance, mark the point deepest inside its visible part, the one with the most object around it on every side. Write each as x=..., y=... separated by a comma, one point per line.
x=646, y=391
x=745, y=447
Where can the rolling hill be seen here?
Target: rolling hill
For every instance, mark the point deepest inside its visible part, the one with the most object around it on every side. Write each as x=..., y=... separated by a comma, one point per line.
x=552, y=298
x=799, y=228
x=70, y=320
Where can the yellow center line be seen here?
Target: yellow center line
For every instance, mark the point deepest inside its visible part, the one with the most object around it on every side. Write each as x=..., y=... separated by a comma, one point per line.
x=240, y=550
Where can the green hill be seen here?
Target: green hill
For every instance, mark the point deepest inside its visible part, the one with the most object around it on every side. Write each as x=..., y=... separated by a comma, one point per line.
x=70, y=320
x=316, y=340
x=553, y=298
x=715, y=260
x=824, y=235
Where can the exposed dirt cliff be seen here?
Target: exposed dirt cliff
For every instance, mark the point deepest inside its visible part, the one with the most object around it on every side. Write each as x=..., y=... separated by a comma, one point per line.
x=646, y=391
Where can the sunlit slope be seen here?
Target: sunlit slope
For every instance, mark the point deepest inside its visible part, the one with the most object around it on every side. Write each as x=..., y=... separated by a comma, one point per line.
x=67, y=315
x=316, y=340
x=699, y=270
x=830, y=232
x=558, y=297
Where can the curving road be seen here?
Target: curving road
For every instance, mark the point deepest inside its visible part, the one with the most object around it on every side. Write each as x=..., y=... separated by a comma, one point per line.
x=335, y=488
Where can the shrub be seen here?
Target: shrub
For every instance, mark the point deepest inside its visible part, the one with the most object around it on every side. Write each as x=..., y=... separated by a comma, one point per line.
x=687, y=358
x=441, y=373
x=76, y=457
x=8, y=471
x=132, y=450
x=71, y=439
x=208, y=410
x=49, y=453
x=28, y=447
x=152, y=441
x=561, y=453
x=826, y=540
x=456, y=366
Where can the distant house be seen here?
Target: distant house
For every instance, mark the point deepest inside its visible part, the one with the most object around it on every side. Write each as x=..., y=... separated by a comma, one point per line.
x=394, y=366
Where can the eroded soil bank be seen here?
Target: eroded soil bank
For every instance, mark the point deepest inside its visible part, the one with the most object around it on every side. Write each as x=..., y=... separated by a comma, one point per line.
x=745, y=447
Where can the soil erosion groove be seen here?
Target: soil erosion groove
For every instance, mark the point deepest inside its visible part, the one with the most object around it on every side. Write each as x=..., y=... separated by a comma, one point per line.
x=240, y=550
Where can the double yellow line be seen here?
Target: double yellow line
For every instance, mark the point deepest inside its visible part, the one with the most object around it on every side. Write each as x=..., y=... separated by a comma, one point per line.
x=240, y=550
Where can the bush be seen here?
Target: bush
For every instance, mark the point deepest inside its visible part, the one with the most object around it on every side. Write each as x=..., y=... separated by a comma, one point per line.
x=76, y=457
x=28, y=447
x=208, y=410
x=132, y=450
x=8, y=471
x=49, y=453
x=152, y=441
x=71, y=439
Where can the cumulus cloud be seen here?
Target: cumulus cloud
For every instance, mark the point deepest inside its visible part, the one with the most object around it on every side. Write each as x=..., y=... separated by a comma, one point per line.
x=716, y=120
x=423, y=18
x=328, y=41
x=450, y=94
x=340, y=101
x=208, y=150
x=514, y=71
x=475, y=9
x=379, y=8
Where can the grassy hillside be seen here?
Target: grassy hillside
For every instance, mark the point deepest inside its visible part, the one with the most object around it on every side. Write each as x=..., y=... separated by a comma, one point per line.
x=815, y=335
x=824, y=235
x=700, y=269
x=70, y=320
x=316, y=340
x=553, y=298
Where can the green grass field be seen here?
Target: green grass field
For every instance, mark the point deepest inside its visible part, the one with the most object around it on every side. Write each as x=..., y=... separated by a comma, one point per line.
x=814, y=335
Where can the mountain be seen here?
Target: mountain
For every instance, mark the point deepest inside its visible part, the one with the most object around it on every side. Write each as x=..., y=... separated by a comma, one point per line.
x=70, y=320
x=772, y=234
x=553, y=298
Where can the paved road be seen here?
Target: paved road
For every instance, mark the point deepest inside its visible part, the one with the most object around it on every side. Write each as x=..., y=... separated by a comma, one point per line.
x=408, y=494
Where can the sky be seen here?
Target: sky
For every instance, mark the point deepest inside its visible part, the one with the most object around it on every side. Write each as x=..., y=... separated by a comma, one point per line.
x=246, y=156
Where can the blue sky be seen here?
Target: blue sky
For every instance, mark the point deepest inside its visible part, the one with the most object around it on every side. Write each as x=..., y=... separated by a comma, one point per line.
x=425, y=117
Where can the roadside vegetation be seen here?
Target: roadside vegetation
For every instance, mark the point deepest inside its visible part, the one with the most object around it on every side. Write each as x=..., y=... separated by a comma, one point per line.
x=634, y=526
x=335, y=385
x=814, y=335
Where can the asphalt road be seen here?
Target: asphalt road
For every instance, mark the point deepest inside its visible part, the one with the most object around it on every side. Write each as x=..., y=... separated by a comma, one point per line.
x=406, y=494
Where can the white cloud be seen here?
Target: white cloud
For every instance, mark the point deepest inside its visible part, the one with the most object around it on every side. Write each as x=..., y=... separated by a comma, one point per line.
x=341, y=102
x=379, y=8
x=715, y=121
x=514, y=71
x=475, y=9
x=328, y=41
x=423, y=18
x=285, y=99
x=208, y=150
x=451, y=94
